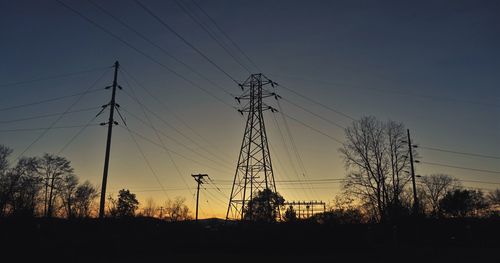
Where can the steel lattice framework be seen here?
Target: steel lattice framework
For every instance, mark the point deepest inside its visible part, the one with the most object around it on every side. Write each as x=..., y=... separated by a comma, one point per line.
x=254, y=171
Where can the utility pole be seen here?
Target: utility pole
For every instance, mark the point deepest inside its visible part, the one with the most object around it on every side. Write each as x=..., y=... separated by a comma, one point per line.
x=199, y=179
x=112, y=105
x=415, y=198
x=161, y=212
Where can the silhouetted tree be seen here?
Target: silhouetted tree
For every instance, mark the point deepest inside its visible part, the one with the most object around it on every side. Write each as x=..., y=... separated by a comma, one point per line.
x=25, y=194
x=149, y=208
x=399, y=161
x=462, y=202
x=127, y=204
x=5, y=152
x=290, y=215
x=493, y=199
x=66, y=190
x=375, y=155
x=112, y=206
x=435, y=187
x=343, y=211
x=5, y=180
x=85, y=195
x=176, y=210
x=53, y=168
x=264, y=206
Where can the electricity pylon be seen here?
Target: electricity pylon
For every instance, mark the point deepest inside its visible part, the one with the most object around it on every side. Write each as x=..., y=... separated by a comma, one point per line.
x=254, y=171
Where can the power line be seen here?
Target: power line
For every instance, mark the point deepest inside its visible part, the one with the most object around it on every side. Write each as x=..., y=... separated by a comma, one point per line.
x=312, y=128
x=280, y=164
x=47, y=115
x=147, y=162
x=211, y=34
x=312, y=113
x=63, y=75
x=397, y=92
x=49, y=100
x=83, y=128
x=158, y=134
x=318, y=103
x=143, y=53
x=285, y=146
x=461, y=153
x=149, y=124
x=226, y=35
x=177, y=117
x=79, y=98
x=294, y=147
x=163, y=50
x=177, y=153
x=161, y=21
x=461, y=167
x=47, y=128
x=170, y=138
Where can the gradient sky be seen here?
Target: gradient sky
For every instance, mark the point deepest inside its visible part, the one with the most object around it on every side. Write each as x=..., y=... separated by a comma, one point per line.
x=434, y=65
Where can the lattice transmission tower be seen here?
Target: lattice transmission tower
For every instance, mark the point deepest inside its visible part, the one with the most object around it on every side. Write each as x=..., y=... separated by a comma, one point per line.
x=254, y=170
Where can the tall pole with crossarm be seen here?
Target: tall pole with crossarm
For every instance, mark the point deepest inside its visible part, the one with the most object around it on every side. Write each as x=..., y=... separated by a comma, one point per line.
x=111, y=122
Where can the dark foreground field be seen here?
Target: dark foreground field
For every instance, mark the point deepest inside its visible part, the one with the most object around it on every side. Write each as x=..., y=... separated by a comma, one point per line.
x=148, y=240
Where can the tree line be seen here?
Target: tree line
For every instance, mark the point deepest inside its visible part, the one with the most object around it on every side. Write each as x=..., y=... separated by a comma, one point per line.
x=377, y=185
x=376, y=188
x=42, y=186
x=47, y=186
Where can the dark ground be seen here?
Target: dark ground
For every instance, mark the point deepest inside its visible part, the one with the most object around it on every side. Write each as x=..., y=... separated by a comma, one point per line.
x=148, y=240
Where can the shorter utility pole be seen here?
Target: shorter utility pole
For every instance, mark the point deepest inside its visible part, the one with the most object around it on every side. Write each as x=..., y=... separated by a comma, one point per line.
x=161, y=212
x=199, y=179
x=415, y=198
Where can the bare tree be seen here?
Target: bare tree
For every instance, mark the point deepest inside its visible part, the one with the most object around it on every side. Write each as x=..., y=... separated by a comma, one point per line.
x=176, y=210
x=25, y=197
x=5, y=152
x=150, y=208
x=5, y=180
x=85, y=195
x=398, y=158
x=66, y=190
x=53, y=168
x=494, y=197
x=375, y=156
x=435, y=187
x=112, y=206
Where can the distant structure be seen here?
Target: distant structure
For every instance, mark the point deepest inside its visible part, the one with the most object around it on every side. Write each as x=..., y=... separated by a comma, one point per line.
x=306, y=209
x=254, y=170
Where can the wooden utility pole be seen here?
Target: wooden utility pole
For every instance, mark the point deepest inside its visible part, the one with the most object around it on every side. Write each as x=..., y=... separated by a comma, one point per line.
x=110, y=123
x=415, y=198
x=199, y=179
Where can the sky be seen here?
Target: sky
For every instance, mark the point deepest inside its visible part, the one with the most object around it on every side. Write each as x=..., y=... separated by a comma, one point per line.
x=433, y=65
